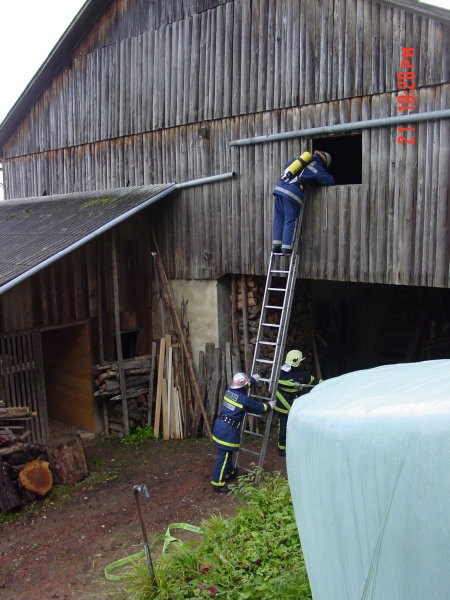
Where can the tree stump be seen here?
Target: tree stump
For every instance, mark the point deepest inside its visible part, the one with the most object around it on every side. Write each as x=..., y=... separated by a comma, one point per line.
x=67, y=459
x=35, y=477
x=9, y=495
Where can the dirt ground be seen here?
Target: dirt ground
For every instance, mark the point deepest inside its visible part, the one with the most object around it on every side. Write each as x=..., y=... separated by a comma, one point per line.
x=60, y=550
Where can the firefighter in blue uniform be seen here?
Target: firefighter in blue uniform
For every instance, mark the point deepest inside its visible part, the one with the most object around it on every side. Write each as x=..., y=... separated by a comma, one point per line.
x=227, y=428
x=291, y=380
x=298, y=173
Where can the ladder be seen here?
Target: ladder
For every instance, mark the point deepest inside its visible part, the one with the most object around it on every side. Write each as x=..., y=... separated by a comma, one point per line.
x=277, y=301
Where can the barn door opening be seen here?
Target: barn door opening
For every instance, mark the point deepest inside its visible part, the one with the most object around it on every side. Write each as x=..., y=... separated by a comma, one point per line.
x=68, y=378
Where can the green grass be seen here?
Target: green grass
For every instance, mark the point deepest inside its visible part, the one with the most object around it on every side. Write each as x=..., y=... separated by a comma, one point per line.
x=255, y=555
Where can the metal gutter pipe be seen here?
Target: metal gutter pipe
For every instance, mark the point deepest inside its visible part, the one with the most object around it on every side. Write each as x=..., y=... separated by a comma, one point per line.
x=175, y=186
x=201, y=181
x=343, y=127
x=48, y=261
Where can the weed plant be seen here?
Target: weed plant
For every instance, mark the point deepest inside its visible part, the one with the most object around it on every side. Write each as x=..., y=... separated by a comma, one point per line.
x=255, y=555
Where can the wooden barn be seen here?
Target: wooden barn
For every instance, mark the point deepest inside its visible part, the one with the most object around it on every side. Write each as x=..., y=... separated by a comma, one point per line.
x=167, y=123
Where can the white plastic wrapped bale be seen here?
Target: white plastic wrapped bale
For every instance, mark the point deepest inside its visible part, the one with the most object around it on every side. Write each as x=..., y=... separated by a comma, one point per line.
x=368, y=461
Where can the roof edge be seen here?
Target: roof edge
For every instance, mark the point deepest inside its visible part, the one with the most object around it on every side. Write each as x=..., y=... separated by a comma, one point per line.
x=81, y=242
x=89, y=13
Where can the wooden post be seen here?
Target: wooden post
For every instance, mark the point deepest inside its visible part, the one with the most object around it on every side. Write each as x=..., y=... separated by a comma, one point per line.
x=123, y=389
x=168, y=298
x=316, y=355
x=151, y=384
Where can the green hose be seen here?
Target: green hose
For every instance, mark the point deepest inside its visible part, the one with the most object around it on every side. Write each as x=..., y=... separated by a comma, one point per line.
x=134, y=558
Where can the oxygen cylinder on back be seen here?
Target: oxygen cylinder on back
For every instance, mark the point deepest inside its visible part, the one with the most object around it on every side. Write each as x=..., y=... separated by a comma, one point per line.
x=296, y=165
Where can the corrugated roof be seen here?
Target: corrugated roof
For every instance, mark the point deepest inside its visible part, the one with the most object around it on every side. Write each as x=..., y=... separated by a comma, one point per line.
x=34, y=232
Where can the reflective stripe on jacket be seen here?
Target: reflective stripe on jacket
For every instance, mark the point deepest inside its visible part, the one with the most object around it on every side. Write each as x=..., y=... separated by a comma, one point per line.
x=234, y=406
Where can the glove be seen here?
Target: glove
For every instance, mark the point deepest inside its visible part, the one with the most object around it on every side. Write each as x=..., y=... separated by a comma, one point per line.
x=256, y=377
x=272, y=404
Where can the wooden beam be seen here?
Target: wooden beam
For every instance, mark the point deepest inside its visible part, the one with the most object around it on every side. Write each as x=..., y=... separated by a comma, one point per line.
x=123, y=389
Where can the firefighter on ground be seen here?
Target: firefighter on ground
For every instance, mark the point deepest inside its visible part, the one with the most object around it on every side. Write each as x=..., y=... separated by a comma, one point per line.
x=227, y=427
x=290, y=385
x=299, y=172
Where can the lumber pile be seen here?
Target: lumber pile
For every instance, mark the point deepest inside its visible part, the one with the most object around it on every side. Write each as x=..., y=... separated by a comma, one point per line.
x=137, y=373
x=172, y=393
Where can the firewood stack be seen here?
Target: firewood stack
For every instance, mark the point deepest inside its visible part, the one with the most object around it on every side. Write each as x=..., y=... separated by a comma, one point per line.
x=107, y=382
x=24, y=472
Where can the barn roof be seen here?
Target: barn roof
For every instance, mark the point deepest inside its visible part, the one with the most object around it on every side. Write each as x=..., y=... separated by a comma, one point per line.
x=85, y=20
x=36, y=232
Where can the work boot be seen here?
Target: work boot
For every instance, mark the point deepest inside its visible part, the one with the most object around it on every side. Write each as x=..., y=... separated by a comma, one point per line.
x=287, y=251
x=222, y=490
x=276, y=249
x=282, y=452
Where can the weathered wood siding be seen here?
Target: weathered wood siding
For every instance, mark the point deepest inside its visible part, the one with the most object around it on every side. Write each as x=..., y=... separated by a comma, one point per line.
x=129, y=107
x=241, y=57
x=392, y=228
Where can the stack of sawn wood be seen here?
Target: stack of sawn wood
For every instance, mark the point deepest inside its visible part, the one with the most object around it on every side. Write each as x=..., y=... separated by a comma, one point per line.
x=137, y=379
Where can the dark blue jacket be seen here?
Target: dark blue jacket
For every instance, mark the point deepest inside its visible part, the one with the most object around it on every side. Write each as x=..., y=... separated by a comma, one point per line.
x=290, y=386
x=313, y=172
x=234, y=406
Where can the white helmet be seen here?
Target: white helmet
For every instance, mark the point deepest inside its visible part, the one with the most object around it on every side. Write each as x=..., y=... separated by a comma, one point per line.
x=240, y=380
x=294, y=358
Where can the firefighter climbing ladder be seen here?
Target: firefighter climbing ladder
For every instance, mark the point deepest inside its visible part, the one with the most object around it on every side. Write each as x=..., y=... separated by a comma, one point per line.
x=278, y=296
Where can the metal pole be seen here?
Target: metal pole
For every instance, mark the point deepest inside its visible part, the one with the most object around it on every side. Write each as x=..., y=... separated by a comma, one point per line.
x=343, y=127
x=142, y=489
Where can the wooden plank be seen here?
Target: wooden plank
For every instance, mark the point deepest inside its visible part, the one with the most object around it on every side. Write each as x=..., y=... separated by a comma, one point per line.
x=159, y=386
x=164, y=409
x=169, y=386
x=118, y=334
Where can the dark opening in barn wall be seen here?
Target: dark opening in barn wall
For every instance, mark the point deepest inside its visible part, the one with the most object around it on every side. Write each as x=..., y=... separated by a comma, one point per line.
x=68, y=378
x=346, y=155
x=366, y=325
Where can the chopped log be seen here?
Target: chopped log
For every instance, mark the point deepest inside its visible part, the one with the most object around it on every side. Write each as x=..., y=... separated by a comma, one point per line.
x=9, y=495
x=36, y=477
x=67, y=459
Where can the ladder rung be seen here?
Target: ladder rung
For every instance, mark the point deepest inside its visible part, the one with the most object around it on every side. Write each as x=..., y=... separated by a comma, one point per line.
x=255, y=433
x=274, y=307
x=249, y=451
x=269, y=325
x=254, y=414
x=277, y=289
x=264, y=360
x=267, y=343
x=278, y=271
x=263, y=379
x=266, y=398
x=247, y=469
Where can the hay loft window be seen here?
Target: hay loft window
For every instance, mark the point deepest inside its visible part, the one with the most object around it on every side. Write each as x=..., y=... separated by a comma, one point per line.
x=346, y=154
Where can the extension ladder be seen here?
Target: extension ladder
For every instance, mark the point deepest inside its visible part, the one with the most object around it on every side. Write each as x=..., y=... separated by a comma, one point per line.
x=277, y=302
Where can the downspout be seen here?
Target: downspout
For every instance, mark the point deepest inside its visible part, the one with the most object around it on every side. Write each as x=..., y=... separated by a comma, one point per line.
x=343, y=127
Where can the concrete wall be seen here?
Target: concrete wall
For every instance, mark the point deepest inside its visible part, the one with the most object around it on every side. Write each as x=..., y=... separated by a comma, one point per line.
x=206, y=311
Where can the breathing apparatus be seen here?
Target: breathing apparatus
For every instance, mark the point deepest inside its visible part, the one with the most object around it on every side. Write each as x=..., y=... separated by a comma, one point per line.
x=296, y=165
